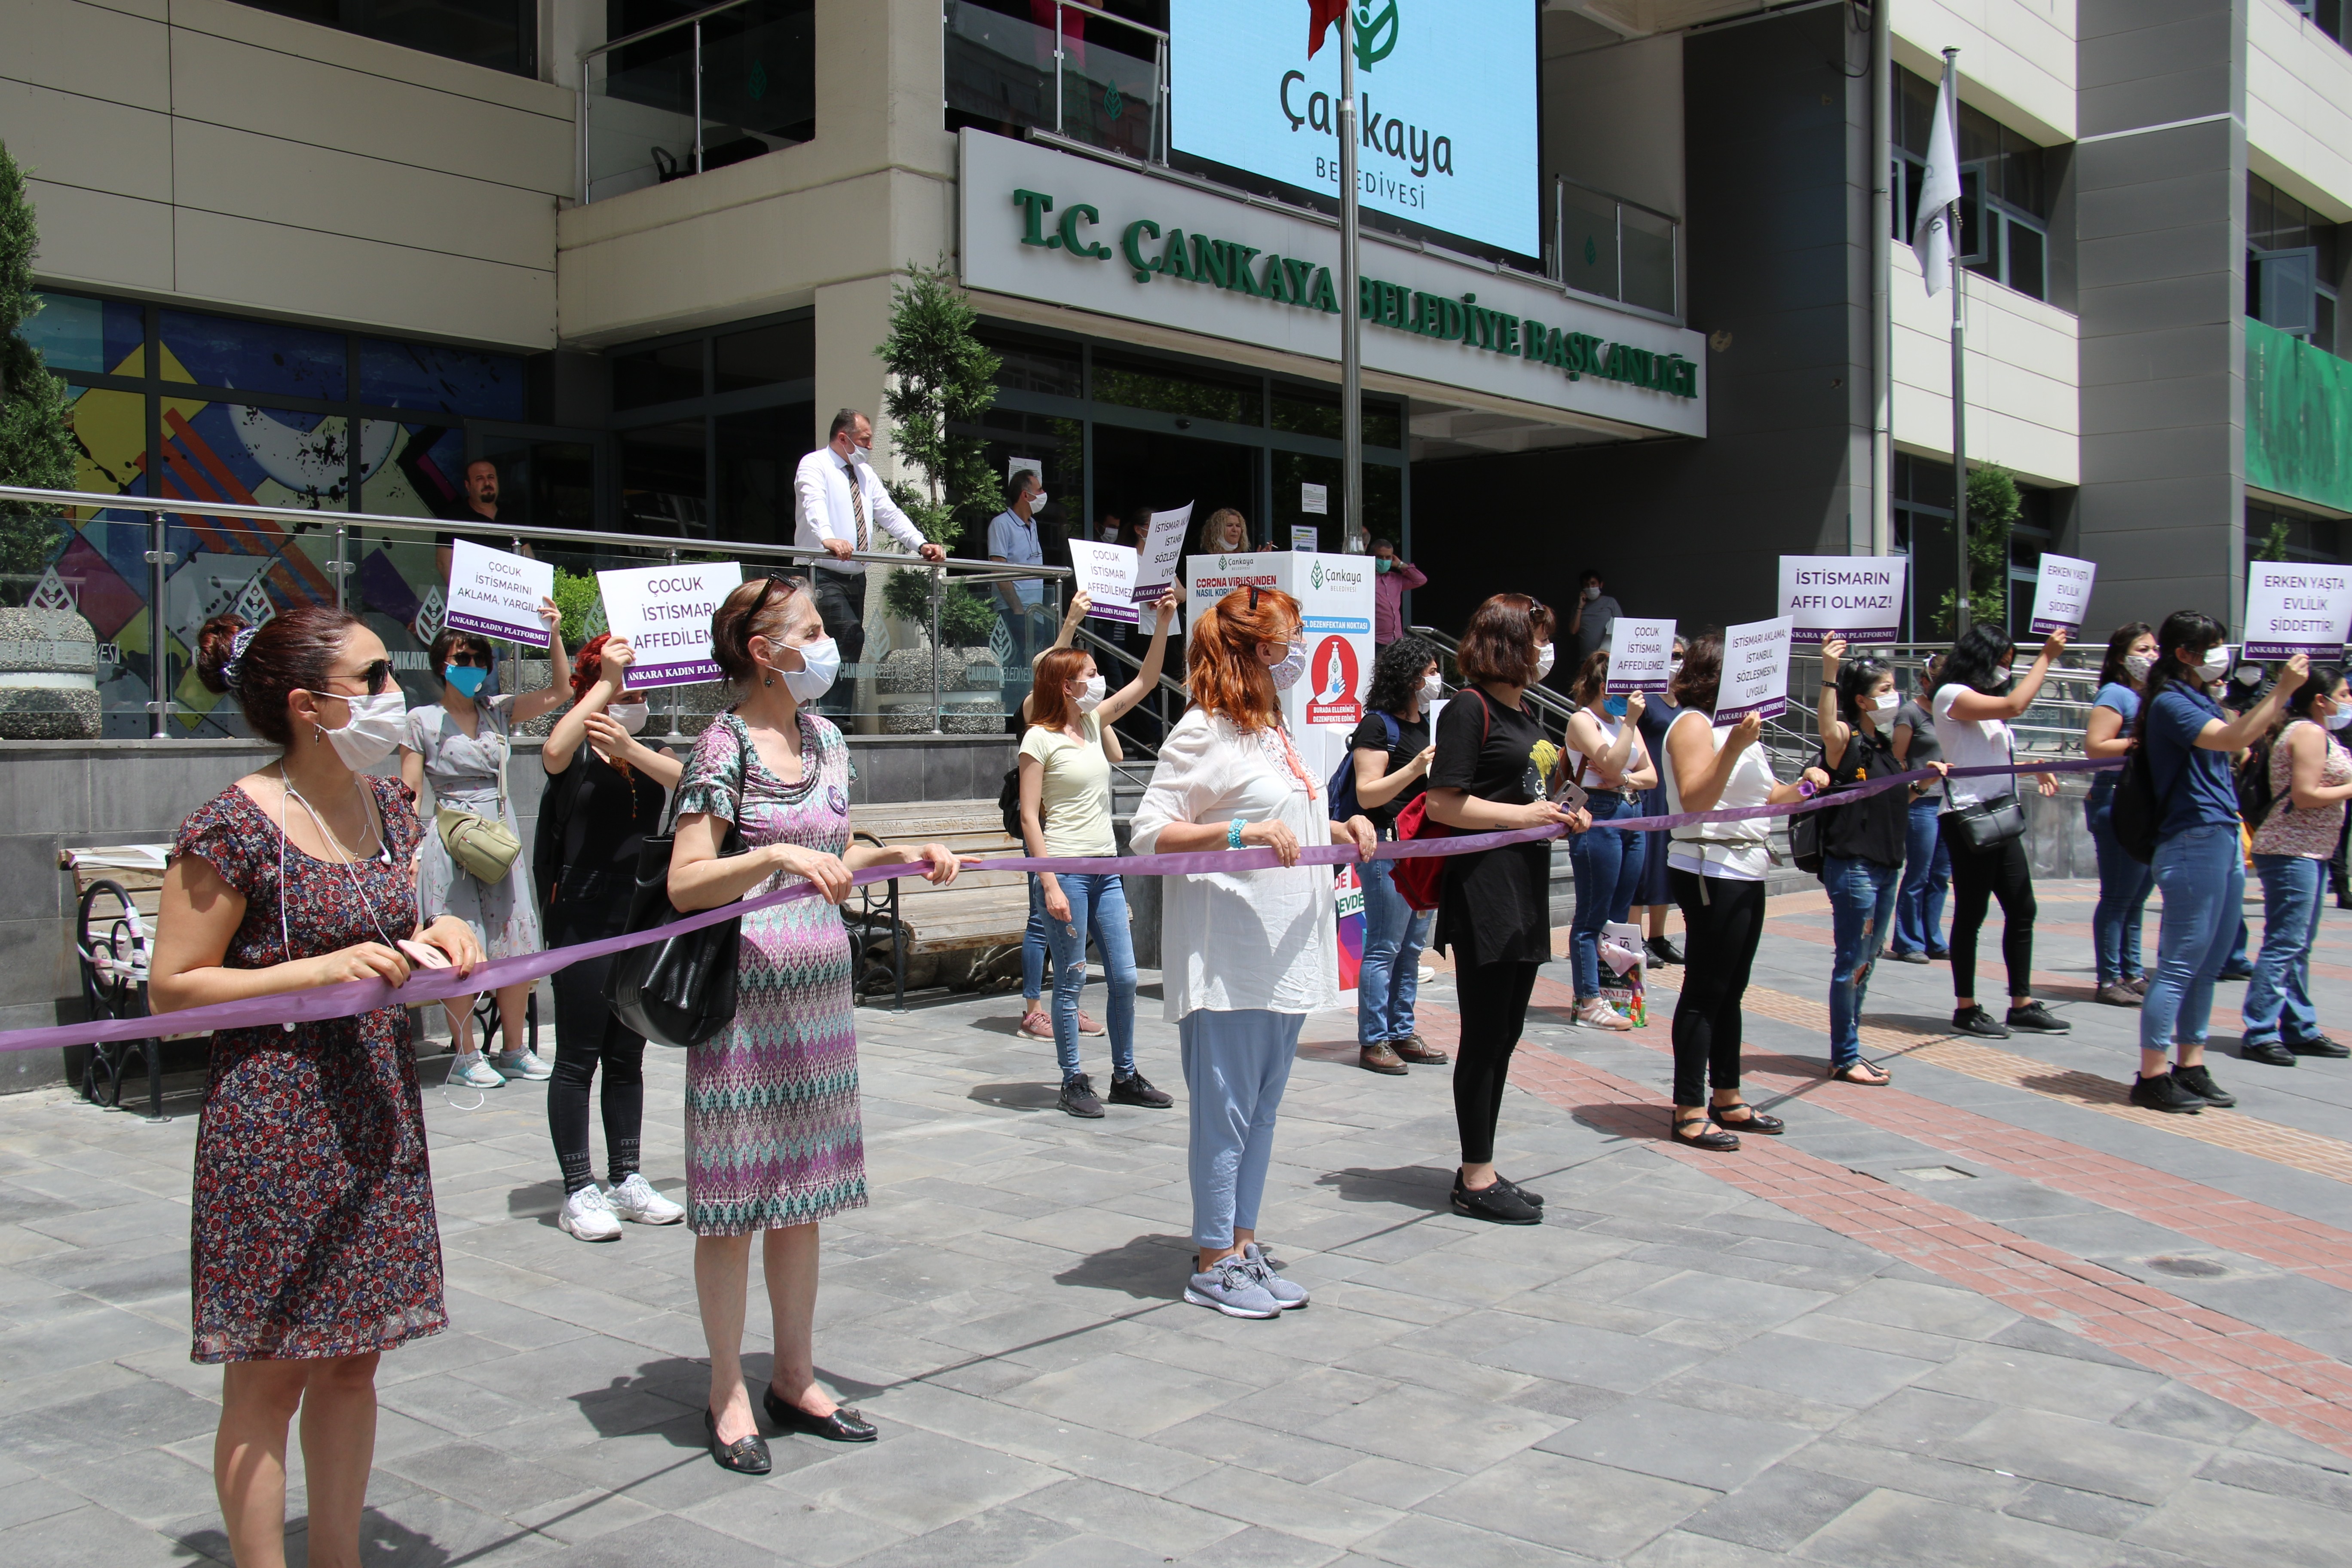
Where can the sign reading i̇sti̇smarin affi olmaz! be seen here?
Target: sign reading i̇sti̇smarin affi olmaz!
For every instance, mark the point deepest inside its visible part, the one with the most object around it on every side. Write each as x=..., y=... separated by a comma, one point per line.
x=1173, y=255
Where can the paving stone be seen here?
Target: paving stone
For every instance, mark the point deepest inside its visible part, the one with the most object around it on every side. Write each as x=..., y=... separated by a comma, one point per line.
x=1424, y=1542
x=1829, y=1373
x=1311, y=1513
x=1573, y=1504
x=1706, y=1449
x=2086, y=1513
x=1887, y=1527
x=2043, y=1381
x=1778, y=1510
x=2089, y=1456
x=1133, y=1519
x=1569, y=1353
x=2211, y=1523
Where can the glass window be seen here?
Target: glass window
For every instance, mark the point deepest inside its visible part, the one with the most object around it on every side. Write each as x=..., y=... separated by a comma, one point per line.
x=499, y=34
x=1036, y=364
x=254, y=356
x=758, y=452
x=1314, y=411
x=464, y=381
x=411, y=471
x=765, y=355
x=1157, y=384
x=657, y=375
x=103, y=337
x=663, y=486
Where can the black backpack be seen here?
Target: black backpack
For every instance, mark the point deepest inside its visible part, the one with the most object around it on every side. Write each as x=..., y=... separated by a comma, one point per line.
x=2252, y=778
x=2136, y=812
x=1008, y=801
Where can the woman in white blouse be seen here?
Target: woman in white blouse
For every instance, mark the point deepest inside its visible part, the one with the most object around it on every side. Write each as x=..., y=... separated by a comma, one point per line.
x=1244, y=955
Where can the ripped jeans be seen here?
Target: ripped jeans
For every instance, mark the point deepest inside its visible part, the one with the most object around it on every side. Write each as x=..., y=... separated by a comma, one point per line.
x=1862, y=905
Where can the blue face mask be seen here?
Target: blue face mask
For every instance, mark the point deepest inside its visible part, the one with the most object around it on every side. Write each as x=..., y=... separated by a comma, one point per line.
x=1614, y=707
x=468, y=678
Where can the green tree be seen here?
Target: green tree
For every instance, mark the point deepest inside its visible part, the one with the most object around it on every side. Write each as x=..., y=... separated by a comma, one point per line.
x=942, y=376
x=1993, y=508
x=2274, y=541
x=36, y=444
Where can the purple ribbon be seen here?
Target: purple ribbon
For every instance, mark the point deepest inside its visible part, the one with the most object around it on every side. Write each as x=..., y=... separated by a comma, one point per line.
x=353, y=997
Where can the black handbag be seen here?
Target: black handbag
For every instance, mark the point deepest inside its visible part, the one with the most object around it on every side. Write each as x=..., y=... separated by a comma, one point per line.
x=1983, y=824
x=679, y=991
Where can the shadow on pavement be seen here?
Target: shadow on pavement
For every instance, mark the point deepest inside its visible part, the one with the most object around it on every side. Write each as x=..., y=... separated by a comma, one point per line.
x=383, y=1543
x=1422, y=1187
x=1149, y=1268
x=1015, y=1096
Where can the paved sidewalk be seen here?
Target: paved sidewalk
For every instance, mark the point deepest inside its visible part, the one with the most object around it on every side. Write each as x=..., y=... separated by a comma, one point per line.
x=1985, y=1316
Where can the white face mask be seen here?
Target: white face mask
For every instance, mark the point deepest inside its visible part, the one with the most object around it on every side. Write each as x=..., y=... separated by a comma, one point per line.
x=629, y=716
x=1543, y=660
x=1292, y=666
x=820, y=661
x=1432, y=687
x=2139, y=664
x=860, y=457
x=1674, y=666
x=377, y=726
x=2000, y=676
x=1091, y=698
x=1886, y=703
x=2216, y=664
x=1036, y=500
x=1591, y=592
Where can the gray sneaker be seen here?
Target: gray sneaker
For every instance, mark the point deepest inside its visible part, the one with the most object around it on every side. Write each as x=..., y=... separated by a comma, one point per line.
x=1261, y=1268
x=1230, y=1286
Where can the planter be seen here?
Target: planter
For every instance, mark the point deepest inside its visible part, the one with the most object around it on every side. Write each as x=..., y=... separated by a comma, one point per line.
x=48, y=677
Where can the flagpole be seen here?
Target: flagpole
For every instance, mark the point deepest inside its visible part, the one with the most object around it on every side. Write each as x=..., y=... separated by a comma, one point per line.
x=1959, y=383
x=1351, y=368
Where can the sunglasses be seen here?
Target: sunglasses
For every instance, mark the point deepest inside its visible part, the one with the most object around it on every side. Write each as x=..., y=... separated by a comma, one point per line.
x=777, y=579
x=376, y=675
x=470, y=660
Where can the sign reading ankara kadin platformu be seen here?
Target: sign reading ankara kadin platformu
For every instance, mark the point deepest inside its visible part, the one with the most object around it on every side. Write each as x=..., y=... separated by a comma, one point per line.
x=1857, y=597
x=2295, y=608
x=663, y=612
x=1755, y=671
x=495, y=595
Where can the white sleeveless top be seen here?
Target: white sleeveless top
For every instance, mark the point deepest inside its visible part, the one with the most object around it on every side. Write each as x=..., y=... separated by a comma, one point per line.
x=1736, y=851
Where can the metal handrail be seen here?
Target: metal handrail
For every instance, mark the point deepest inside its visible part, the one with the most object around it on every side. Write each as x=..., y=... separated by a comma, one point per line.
x=592, y=50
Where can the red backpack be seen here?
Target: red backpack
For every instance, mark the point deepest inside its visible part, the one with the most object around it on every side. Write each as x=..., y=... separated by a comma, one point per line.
x=1418, y=879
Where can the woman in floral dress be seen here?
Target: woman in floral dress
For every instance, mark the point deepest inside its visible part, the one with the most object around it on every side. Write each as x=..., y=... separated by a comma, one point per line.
x=774, y=1138
x=313, y=1246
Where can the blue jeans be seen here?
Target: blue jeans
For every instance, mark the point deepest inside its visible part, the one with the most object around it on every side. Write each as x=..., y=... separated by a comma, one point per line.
x=1035, y=952
x=1927, y=878
x=1390, y=976
x=1098, y=910
x=1608, y=865
x=2123, y=886
x=1236, y=1066
x=2278, y=1000
x=1861, y=909
x=2201, y=872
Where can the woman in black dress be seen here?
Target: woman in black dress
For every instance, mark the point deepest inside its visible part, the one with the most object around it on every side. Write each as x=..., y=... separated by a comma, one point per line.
x=1489, y=774
x=606, y=790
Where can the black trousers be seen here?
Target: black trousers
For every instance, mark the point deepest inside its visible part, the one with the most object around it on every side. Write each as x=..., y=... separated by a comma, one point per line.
x=1723, y=921
x=841, y=605
x=2001, y=872
x=1493, y=1001
x=587, y=1036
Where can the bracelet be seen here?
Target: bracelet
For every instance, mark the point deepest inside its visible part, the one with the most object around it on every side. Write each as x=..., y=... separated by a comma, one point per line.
x=1234, y=834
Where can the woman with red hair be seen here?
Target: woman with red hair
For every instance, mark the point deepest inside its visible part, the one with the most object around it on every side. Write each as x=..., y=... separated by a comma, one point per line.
x=1244, y=955
x=606, y=790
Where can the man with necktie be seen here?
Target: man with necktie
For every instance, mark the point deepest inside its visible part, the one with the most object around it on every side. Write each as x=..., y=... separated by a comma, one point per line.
x=838, y=501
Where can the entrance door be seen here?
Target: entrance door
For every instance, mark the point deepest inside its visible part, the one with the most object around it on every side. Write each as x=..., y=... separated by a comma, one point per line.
x=547, y=478
x=1138, y=469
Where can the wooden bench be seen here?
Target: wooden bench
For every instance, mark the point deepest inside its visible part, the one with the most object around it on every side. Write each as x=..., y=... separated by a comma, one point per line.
x=909, y=916
x=117, y=891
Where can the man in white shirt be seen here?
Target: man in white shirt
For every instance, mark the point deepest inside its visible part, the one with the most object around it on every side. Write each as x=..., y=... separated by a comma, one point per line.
x=837, y=503
x=1013, y=540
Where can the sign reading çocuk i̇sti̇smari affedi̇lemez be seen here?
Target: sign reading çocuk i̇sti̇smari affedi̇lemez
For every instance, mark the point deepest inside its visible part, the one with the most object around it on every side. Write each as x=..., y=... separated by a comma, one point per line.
x=1858, y=597
x=1080, y=235
x=664, y=612
x=1447, y=130
x=1641, y=655
x=1105, y=574
x=495, y=595
x=2297, y=606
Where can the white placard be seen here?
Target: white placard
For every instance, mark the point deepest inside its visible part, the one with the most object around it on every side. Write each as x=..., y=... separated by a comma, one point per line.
x=1640, y=655
x=495, y=595
x=1163, y=548
x=665, y=613
x=1857, y=597
x=2295, y=608
x=1755, y=670
x=1106, y=573
x=1208, y=578
x=2063, y=596
x=1306, y=538
x=1314, y=500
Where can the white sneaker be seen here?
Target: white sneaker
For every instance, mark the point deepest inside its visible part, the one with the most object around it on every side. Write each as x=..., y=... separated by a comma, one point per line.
x=1596, y=1013
x=471, y=1071
x=635, y=1200
x=588, y=1215
x=522, y=1064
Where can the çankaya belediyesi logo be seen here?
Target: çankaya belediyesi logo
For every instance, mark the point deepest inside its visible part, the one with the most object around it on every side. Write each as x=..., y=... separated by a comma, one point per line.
x=1375, y=38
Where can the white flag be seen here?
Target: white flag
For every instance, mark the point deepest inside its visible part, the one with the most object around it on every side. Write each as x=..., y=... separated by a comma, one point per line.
x=1933, y=240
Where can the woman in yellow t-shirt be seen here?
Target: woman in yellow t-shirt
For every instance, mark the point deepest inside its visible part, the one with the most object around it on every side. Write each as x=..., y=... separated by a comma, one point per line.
x=1066, y=757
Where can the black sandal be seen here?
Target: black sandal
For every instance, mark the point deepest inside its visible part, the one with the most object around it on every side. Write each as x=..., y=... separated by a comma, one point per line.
x=1720, y=1142
x=1845, y=1075
x=1754, y=1121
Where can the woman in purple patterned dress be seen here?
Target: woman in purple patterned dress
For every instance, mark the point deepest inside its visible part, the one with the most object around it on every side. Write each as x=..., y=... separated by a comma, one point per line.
x=774, y=1140
x=314, y=1248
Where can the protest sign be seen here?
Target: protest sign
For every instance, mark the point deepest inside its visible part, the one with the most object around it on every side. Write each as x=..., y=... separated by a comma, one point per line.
x=665, y=613
x=1857, y=597
x=1106, y=573
x=1306, y=538
x=2063, y=595
x=1640, y=653
x=2295, y=606
x=1755, y=671
x=1208, y=578
x=1163, y=547
x=495, y=595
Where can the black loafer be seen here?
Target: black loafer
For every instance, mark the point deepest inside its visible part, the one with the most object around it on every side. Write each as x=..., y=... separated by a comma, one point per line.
x=2269, y=1053
x=844, y=1425
x=745, y=1456
x=1499, y=1204
x=1977, y=1021
x=1533, y=1200
x=2317, y=1046
x=2033, y=1018
x=1754, y=1121
x=2235, y=975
